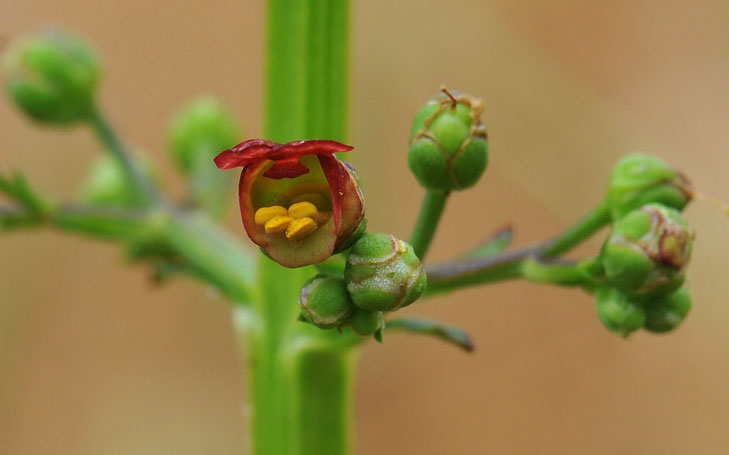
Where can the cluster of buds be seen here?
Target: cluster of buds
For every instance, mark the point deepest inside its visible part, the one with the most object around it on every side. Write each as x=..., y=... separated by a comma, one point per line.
x=382, y=274
x=644, y=265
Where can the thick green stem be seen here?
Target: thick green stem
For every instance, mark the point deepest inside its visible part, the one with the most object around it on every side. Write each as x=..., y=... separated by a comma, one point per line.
x=430, y=212
x=300, y=375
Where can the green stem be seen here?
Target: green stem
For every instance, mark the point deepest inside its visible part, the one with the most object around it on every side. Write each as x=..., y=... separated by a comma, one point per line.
x=561, y=273
x=430, y=213
x=208, y=248
x=106, y=135
x=509, y=265
x=595, y=220
x=300, y=375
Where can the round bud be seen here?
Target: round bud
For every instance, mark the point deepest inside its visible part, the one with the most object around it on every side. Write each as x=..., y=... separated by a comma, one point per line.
x=383, y=273
x=107, y=184
x=52, y=77
x=648, y=251
x=666, y=313
x=199, y=131
x=448, y=148
x=325, y=302
x=364, y=322
x=619, y=312
x=642, y=179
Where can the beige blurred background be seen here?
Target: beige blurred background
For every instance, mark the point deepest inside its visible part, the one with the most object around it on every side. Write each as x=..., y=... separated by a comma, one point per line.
x=95, y=360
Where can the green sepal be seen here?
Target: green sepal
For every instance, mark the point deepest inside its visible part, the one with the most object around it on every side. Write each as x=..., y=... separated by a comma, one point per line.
x=379, y=335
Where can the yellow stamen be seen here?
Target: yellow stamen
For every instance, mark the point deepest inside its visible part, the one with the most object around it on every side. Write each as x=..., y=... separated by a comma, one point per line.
x=266, y=213
x=278, y=224
x=303, y=209
x=318, y=199
x=298, y=229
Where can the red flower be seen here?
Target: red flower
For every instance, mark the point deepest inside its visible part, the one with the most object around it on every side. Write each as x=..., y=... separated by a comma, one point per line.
x=297, y=200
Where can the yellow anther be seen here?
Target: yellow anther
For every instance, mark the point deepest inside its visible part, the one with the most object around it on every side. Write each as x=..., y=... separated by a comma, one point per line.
x=318, y=199
x=266, y=213
x=300, y=228
x=302, y=209
x=278, y=224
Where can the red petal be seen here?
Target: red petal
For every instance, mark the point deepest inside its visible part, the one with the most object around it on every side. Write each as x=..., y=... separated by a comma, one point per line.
x=245, y=153
x=336, y=176
x=287, y=168
x=347, y=199
x=302, y=148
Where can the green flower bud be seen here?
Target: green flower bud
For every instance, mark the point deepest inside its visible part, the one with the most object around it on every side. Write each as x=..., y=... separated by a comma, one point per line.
x=199, y=131
x=648, y=251
x=383, y=273
x=642, y=179
x=619, y=312
x=365, y=322
x=107, y=183
x=448, y=148
x=325, y=302
x=666, y=313
x=52, y=77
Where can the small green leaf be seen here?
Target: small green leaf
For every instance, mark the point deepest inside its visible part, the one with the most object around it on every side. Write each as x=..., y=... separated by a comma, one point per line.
x=498, y=242
x=421, y=326
x=379, y=335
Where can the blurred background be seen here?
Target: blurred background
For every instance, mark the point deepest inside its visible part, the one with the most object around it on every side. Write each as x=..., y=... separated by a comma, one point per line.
x=94, y=359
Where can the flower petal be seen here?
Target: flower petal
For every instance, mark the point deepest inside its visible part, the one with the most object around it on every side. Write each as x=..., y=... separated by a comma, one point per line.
x=302, y=148
x=347, y=200
x=245, y=153
x=286, y=168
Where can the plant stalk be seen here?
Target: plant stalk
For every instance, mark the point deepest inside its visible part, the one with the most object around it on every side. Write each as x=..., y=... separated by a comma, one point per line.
x=430, y=212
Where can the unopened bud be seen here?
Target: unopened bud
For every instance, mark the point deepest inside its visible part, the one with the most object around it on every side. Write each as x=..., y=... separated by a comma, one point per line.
x=52, y=77
x=325, y=302
x=199, y=131
x=666, y=313
x=619, y=312
x=383, y=273
x=364, y=322
x=638, y=180
x=108, y=184
x=448, y=149
x=648, y=251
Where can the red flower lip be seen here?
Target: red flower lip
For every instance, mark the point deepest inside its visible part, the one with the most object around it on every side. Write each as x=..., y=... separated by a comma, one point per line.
x=277, y=178
x=286, y=156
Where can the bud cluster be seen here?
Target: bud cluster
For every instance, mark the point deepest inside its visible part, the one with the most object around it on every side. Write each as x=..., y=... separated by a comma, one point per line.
x=644, y=266
x=382, y=274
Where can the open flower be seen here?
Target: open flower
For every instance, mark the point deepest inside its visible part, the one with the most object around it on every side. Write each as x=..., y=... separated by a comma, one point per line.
x=297, y=200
